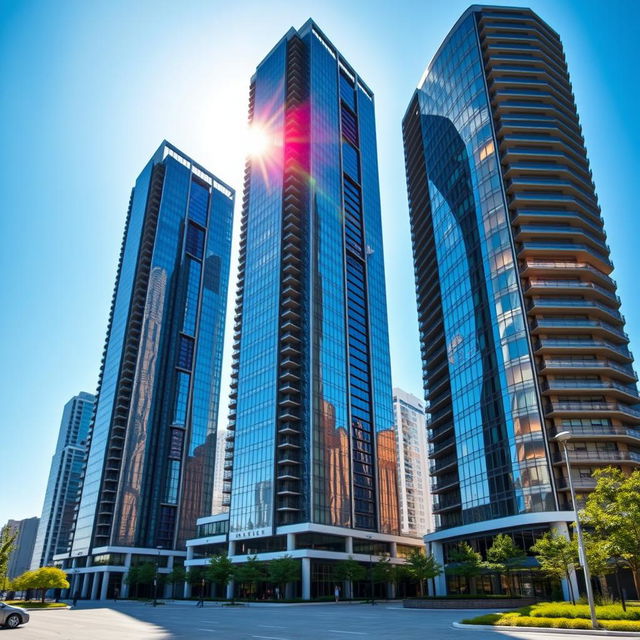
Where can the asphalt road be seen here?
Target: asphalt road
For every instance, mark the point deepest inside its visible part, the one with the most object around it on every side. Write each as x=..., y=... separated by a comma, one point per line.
x=135, y=621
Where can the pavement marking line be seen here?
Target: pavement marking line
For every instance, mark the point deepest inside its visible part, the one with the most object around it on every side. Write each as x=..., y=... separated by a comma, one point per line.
x=355, y=633
x=214, y=630
x=270, y=638
x=271, y=626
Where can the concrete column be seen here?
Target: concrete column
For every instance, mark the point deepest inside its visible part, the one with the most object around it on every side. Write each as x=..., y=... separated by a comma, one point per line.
x=349, y=544
x=562, y=528
x=84, y=589
x=437, y=549
x=232, y=548
x=291, y=541
x=94, y=585
x=124, y=589
x=105, y=585
x=306, y=578
x=230, y=587
x=394, y=549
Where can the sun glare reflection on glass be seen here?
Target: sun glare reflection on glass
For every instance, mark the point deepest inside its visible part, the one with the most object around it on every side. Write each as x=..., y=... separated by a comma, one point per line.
x=258, y=141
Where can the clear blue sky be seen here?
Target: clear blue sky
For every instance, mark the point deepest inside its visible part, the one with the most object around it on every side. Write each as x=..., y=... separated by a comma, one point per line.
x=89, y=90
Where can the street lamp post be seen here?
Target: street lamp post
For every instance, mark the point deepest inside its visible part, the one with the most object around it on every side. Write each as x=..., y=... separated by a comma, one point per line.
x=155, y=579
x=562, y=438
x=370, y=537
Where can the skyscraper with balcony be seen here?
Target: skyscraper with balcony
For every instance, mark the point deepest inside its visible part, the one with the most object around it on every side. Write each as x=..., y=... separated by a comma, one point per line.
x=520, y=324
x=150, y=466
x=311, y=456
x=56, y=523
x=413, y=464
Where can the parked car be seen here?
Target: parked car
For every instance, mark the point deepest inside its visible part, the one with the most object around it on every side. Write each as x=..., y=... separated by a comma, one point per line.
x=11, y=616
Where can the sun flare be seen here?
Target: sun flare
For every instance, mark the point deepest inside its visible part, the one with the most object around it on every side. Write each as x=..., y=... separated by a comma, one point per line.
x=258, y=141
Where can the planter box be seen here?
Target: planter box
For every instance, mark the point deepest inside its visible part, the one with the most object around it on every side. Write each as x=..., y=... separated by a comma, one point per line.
x=468, y=603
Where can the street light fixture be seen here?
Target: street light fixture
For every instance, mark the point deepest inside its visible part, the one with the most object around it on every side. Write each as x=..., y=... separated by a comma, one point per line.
x=155, y=579
x=370, y=537
x=562, y=438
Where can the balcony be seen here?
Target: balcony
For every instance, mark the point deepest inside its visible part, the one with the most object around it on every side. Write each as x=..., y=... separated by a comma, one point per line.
x=436, y=433
x=532, y=267
x=546, y=345
x=545, y=325
x=607, y=432
x=537, y=285
x=572, y=305
x=608, y=367
x=605, y=409
x=568, y=250
x=598, y=457
x=443, y=464
x=625, y=392
x=444, y=482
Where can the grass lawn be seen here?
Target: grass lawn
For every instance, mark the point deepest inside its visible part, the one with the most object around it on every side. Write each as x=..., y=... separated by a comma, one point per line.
x=564, y=615
x=35, y=604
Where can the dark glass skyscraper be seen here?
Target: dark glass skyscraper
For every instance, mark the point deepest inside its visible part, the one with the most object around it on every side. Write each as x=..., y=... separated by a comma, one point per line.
x=520, y=327
x=56, y=523
x=150, y=466
x=311, y=443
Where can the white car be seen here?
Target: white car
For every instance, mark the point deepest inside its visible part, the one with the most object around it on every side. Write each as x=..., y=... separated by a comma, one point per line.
x=12, y=617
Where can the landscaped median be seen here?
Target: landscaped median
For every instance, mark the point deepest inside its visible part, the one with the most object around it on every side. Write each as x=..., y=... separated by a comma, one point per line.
x=36, y=604
x=562, y=615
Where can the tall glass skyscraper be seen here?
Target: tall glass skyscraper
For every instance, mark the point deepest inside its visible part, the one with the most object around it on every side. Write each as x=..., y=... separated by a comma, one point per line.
x=150, y=467
x=56, y=523
x=520, y=326
x=311, y=441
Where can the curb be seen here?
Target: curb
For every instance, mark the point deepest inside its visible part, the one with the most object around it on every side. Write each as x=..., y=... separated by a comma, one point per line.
x=65, y=608
x=589, y=632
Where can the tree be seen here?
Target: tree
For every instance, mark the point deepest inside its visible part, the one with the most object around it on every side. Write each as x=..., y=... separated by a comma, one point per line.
x=251, y=572
x=505, y=556
x=399, y=576
x=195, y=577
x=556, y=556
x=142, y=574
x=132, y=578
x=465, y=562
x=282, y=571
x=176, y=576
x=220, y=570
x=382, y=570
x=612, y=512
x=42, y=579
x=349, y=571
x=422, y=567
x=7, y=544
x=599, y=559
x=47, y=578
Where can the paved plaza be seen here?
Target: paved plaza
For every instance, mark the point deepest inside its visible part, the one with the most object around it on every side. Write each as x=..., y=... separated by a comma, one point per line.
x=132, y=620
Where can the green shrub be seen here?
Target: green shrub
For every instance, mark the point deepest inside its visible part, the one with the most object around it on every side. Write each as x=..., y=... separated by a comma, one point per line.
x=36, y=604
x=565, y=610
x=621, y=625
x=487, y=618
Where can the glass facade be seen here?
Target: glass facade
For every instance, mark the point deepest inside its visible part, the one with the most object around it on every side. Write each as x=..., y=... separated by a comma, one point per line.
x=151, y=462
x=311, y=435
x=512, y=329
x=56, y=522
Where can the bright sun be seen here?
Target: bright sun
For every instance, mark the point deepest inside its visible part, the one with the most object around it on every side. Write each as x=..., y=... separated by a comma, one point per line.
x=258, y=141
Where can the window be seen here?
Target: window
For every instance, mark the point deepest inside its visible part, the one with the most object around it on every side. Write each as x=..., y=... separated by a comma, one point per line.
x=182, y=396
x=195, y=241
x=198, y=203
x=193, y=290
x=350, y=161
x=177, y=439
x=185, y=352
x=173, y=481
